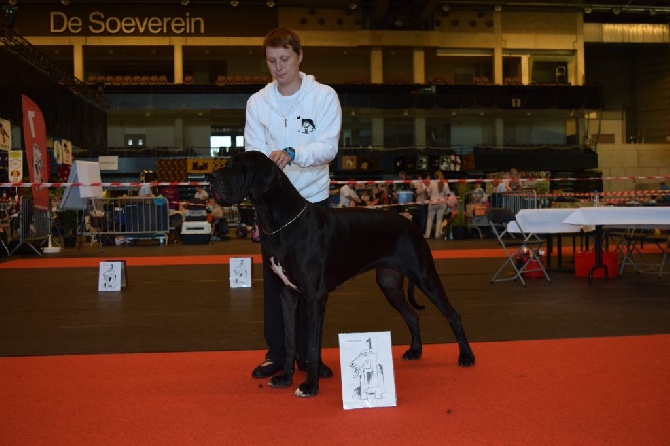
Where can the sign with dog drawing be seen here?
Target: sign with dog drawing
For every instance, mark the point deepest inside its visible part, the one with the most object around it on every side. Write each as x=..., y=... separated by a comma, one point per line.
x=240, y=272
x=112, y=275
x=366, y=363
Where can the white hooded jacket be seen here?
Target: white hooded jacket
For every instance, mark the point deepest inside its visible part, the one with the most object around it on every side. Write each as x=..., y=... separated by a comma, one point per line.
x=311, y=127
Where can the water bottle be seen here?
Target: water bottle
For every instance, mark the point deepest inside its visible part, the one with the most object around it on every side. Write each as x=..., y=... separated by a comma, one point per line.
x=595, y=198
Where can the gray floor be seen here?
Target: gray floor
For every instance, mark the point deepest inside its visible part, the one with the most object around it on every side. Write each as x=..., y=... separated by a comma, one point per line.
x=53, y=311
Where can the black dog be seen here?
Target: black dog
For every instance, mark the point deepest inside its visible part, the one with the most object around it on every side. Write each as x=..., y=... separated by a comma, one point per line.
x=314, y=250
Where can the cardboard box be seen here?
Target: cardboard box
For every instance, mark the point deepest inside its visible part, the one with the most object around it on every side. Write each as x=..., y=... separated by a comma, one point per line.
x=584, y=261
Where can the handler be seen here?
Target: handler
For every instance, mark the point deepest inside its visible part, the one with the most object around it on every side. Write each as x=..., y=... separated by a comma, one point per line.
x=296, y=122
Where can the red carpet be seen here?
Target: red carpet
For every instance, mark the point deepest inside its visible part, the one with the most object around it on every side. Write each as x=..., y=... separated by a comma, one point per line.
x=609, y=391
x=79, y=262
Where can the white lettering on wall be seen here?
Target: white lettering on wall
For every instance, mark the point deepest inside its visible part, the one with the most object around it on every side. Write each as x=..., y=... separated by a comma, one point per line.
x=98, y=23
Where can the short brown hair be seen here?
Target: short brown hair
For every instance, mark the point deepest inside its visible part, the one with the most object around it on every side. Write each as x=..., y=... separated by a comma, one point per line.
x=283, y=38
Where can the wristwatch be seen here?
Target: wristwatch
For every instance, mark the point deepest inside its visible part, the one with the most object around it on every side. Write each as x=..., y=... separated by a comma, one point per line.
x=291, y=153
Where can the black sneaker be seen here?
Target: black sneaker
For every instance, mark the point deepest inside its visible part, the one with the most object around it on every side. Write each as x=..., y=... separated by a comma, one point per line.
x=266, y=370
x=324, y=371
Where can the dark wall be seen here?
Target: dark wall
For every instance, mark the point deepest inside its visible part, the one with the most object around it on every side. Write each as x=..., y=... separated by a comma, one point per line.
x=66, y=114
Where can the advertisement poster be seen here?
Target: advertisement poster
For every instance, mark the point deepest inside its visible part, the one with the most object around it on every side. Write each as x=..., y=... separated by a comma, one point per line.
x=5, y=135
x=15, y=166
x=35, y=138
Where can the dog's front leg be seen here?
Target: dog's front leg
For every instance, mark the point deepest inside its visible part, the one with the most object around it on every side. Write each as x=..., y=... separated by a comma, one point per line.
x=289, y=305
x=316, y=309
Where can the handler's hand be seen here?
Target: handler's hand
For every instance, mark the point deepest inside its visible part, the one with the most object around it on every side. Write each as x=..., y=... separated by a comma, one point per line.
x=280, y=158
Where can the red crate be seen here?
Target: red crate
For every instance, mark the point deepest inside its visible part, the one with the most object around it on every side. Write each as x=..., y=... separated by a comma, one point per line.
x=584, y=261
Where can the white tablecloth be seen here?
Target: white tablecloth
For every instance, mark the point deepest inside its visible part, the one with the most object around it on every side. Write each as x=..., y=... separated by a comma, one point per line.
x=623, y=217
x=546, y=221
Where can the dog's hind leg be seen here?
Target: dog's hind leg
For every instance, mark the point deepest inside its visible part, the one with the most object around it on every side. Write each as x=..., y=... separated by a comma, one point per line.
x=433, y=289
x=391, y=283
x=289, y=305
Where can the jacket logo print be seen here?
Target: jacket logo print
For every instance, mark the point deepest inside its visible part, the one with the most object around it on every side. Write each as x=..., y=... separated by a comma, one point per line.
x=308, y=126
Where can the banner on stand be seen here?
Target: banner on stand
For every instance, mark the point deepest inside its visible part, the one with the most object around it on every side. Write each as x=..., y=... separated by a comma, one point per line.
x=35, y=139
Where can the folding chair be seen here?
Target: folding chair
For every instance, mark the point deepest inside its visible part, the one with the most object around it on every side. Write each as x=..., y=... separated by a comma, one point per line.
x=666, y=250
x=522, y=252
x=633, y=254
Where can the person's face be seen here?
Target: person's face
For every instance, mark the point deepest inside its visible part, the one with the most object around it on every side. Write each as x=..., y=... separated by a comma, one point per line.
x=284, y=64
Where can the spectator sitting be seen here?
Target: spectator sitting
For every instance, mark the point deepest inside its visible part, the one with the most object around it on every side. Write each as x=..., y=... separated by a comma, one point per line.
x=216, y=217
x=348, y=195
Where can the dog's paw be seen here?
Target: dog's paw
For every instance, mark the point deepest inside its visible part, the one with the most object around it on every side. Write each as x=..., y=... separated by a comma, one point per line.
x=466, y=360
x=281, y=380
x=412, y=354
x=306, y=391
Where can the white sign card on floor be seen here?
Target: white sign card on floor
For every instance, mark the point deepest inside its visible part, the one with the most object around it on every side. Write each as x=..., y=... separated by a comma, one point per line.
x=240, y=272
x=112, y=275
x=366, y=363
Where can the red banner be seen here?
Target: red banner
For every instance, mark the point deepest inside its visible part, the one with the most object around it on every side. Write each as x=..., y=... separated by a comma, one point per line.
x=35, y=139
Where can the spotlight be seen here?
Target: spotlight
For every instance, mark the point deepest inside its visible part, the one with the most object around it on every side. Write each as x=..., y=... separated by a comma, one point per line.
x=588, y=10
x=65, y=2
x=185, y=2
x=234, y=3
x=270, y=4
x=616, y=11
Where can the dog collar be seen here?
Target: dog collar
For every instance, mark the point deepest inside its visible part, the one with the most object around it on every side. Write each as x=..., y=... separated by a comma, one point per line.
x=285, y=224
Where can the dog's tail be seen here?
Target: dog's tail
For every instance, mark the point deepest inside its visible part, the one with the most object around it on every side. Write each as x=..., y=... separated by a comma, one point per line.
x=410, y=296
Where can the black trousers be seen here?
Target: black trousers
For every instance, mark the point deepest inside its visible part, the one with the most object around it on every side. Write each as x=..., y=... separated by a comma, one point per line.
x=273, y=317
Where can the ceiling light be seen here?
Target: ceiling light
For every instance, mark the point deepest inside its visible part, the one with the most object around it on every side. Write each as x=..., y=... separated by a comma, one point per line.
x=588, y=10
x=234, y=3
x=445, y=8
x=652, y=12
x=12, y=2
x=185, y=2
x=65, y=2
x=353, y=5
x=270, y=4
x=616, y=11
x=497, y=8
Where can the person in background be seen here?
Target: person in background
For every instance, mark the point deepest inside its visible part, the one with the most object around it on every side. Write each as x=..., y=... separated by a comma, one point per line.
x=200, y=193
x=296, y=122
x=216, y=218
x=437, y=193
x=421, y=189
x=171, y=194
x=348, y=195
x=146, y=190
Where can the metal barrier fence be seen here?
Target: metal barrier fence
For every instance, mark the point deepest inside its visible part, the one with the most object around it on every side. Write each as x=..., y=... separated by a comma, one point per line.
x=34, y=227
x=519, y=199
x=130, y=217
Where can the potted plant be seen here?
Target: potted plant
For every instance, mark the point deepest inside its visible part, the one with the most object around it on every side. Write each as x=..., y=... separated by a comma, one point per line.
x=459, y=224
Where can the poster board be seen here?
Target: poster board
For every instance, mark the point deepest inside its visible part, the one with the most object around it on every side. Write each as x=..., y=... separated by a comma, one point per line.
x=366, y=363
x=112, y=275
x=240, y=272
x=76, y=197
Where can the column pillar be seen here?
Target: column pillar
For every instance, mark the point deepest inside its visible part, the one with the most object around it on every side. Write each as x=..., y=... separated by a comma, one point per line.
x=376, y=66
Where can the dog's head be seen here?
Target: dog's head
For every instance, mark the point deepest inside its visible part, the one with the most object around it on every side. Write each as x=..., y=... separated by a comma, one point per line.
x=246, y=174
